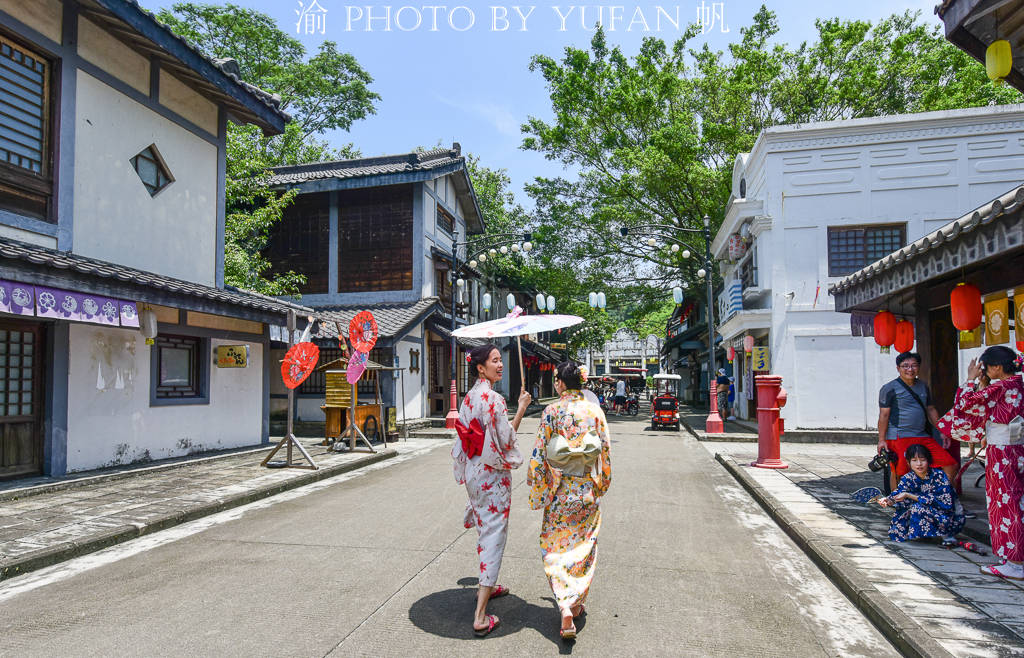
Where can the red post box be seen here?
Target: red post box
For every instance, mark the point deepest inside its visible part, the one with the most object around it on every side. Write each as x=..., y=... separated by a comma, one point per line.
x=770, y=398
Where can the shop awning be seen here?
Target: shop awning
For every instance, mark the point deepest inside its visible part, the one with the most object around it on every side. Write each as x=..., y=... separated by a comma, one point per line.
x=989, y=240
x=38, y=266
x=443, y=328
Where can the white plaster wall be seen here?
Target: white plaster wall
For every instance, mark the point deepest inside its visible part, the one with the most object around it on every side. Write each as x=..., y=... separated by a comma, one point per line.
x=415, y=401
x=111, y=422
x=112, y=55
x=44, y=16
x=173, y=233
x=809, y=181
x=181, y=98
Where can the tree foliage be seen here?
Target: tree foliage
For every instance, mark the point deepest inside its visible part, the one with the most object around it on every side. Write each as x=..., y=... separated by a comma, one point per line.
x=651, y=139
x=326, y=91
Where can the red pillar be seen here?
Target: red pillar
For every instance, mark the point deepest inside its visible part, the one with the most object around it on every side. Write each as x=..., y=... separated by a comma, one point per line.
x=714, y=424
x=770, y=398
x=453, y=410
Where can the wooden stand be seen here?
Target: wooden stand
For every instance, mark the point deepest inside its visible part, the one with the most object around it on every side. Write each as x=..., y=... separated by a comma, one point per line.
x=289, y=440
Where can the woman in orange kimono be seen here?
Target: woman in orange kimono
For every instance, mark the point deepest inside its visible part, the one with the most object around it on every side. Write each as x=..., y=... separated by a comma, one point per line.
x=483, y=456
x=570, y=470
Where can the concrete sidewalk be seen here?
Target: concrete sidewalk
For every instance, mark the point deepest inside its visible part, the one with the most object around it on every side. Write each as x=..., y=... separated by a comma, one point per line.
x=926, y=599
x=44, y=521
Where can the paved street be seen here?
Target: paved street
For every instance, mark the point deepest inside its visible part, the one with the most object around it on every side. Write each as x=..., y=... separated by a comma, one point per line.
x=376, y=562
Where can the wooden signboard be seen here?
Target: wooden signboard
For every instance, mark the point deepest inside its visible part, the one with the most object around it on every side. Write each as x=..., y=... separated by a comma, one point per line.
x=232, y=356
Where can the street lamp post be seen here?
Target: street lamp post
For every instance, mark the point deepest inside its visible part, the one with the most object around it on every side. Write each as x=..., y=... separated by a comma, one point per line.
x=714, y=423
x=491, y=241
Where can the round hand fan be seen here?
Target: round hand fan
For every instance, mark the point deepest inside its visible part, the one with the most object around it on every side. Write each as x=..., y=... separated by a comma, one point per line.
x=298, y=362
x=362, y=332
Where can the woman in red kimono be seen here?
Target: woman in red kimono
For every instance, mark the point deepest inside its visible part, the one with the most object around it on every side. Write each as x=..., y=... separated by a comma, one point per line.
x=998, y=406
x=483, y=456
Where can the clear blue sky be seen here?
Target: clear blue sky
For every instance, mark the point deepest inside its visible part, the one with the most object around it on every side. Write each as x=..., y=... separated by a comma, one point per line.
x=474, y=86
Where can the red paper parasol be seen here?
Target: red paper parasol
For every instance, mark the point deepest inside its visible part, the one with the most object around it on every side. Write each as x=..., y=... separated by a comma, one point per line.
x=356, y=366
x=298, y=363
x=362, y=332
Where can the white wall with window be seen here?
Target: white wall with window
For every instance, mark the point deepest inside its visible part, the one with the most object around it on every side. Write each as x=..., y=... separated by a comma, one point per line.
x=816, y=202
x=125, y=409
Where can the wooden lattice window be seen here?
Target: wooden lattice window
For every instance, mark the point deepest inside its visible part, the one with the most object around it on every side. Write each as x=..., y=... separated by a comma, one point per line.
x=17, y=373
x=26, y=184
x=300, y=242
x=376, y=239
x=850, y=249
x=445, y=221
x=179, y=370
x=152, y=170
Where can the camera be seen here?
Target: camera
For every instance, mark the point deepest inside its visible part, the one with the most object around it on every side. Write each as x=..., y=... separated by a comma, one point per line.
x=883, y=459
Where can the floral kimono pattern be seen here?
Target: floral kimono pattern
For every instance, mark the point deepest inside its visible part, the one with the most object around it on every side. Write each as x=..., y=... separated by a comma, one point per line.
x=572, y=514
x=1000, y=402
x=936, y=513
x=486, y=476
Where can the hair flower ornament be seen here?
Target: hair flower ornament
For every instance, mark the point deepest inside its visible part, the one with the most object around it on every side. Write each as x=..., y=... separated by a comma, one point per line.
x=583, y=374
x=469, y=357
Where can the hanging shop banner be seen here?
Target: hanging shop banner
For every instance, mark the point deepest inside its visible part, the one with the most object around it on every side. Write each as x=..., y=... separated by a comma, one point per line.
x=973, y=338
x=997, y=319
x=760, y=358
x=862, y=324
x=54, y=303
x=232, y=356
x=1018, y=302
x=17, y=298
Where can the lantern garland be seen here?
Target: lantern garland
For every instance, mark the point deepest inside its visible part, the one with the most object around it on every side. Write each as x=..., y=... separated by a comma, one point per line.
x=904, y=336
x=885, y=330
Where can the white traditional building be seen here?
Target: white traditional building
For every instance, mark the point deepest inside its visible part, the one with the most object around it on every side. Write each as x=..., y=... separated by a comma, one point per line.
x=813, y=203
x=112, y=169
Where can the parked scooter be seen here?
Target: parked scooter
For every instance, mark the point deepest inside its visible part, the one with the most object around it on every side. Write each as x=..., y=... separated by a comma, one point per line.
x=632, y=405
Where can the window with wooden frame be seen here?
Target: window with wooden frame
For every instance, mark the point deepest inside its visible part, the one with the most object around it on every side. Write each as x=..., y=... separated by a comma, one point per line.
x=152, y=170
x=26, y=125
x=300, y=242
x=180, y=370
x=851, y=248
x=445, y=221
x=375, y=240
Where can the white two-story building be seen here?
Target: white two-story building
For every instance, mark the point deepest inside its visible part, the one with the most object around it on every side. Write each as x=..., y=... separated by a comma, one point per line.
x=813, y=203
x=112, y=172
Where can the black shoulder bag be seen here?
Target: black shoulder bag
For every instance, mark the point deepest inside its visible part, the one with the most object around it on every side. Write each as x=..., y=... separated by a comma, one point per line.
x=928, y=429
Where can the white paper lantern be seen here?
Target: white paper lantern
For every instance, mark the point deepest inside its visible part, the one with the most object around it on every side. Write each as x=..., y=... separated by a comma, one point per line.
x=540, y=302
x=677, y=295
x=510, y=301
x=487, y=301
x=601, y=300
x=551, y=304
x=592, y=298
x=737, y=247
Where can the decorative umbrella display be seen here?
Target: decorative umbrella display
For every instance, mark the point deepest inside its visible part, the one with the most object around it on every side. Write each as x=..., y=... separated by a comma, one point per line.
x=362, y=332
x=299, y=361
x=516, y=325
x=356, y=366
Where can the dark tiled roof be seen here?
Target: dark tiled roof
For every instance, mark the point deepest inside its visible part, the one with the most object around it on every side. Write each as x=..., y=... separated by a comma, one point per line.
x=392, y=318
x=443, y=327
x=13, y=250
x=361, y=167
x=147, y=27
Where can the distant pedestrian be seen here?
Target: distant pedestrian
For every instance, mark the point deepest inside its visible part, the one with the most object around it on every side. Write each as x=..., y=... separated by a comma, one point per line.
x=732, y=399
x=722, y=390
x=483, y=456
x=570, y=470
x=905, y=412
x=620, y=395
x=997, y=404
x=925, y=503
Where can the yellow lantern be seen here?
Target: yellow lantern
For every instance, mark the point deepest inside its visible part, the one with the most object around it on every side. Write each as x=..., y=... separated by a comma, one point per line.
x=998, y=60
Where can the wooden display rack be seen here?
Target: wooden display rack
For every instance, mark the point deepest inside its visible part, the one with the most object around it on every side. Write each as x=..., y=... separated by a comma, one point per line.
x=289, y=441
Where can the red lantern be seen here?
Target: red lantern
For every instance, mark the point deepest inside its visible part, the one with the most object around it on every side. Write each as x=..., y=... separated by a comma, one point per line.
x=748, y=344
x=904, y=341
x=885, y=330
x=965, y=303
x=732, y=353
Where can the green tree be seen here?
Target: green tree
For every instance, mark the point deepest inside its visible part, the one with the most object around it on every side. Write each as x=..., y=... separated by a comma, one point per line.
x=324, y=92
x=652, y=139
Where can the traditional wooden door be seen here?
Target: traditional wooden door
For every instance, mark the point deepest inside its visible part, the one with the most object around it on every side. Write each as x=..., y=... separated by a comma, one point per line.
x=21, y=404
x=440, y=379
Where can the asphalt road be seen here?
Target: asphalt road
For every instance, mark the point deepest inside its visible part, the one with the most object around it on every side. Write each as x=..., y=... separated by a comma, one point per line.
x=377, y=563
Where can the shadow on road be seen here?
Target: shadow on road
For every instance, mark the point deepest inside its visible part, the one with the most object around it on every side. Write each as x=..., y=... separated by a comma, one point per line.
x=449, y=613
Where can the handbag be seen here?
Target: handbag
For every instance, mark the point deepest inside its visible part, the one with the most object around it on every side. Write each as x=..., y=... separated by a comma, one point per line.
x=929, y=429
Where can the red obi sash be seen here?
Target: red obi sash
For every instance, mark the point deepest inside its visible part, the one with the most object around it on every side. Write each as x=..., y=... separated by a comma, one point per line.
x=472, y=438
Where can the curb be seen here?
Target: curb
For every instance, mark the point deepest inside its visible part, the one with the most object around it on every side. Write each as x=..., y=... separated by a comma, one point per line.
x=50, y=555
x=909, y=638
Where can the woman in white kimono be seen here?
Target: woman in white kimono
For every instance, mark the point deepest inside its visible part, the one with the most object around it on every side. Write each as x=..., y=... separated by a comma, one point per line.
x=483, y=455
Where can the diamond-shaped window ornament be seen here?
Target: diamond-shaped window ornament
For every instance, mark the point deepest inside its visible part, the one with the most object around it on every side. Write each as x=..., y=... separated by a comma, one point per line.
x=152, y=169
